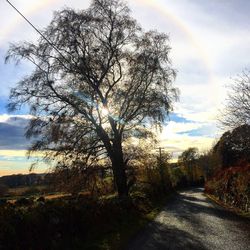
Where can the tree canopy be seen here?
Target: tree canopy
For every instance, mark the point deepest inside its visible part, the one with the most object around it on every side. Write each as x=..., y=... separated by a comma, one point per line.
x=189, y=159
x=189, y=156
x=234, y=146
x=98, y=80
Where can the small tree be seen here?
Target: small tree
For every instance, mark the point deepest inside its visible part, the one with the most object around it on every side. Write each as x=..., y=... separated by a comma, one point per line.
x=98, y=80
x=209, y=162
x=188, y=159
x=237, y=108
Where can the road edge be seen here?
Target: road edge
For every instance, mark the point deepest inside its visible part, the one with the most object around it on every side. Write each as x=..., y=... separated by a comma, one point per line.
x=227, y=207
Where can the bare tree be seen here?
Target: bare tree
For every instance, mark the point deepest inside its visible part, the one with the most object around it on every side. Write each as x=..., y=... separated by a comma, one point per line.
x=237, y=108
x=98, y=79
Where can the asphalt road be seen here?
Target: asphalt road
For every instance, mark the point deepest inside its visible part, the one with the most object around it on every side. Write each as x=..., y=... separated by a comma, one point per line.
x=191, y=221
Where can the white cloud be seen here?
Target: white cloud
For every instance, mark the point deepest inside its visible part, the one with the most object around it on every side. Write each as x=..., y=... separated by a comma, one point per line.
x=173, y=128
x=178, y=143
x=14, y=119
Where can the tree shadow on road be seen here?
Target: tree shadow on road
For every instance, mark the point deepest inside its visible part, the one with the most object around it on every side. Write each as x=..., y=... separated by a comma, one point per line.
x=160, y=236
x=189, y=205
x=183, y=224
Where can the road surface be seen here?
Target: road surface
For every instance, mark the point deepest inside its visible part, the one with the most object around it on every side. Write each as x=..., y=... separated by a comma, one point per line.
x=192, y=221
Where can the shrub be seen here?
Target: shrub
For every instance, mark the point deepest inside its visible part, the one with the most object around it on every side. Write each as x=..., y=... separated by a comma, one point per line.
x=3, y=202
x=3, y=190
x=31, y=191
x=67, y=224
x=24, y=202
x=178, y=178
x=232, y=186
x=41, y=199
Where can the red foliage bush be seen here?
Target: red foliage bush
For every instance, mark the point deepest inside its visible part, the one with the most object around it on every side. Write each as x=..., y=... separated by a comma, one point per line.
x=231, y=186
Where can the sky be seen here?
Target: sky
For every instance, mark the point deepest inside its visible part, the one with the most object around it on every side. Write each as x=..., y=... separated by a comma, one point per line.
x=210, y=43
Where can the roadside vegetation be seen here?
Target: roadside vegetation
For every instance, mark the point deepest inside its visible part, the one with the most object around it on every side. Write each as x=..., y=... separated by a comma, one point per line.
x=231, y=186
x=75, y=222
x=230, y=179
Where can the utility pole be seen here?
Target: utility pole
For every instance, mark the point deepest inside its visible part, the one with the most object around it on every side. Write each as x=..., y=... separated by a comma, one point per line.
x=160, y=153
x=163, y=171
x=160, y=166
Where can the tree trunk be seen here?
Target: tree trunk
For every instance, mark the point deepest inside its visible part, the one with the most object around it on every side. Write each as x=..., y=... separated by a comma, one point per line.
x=115, y=154
x=119, y=169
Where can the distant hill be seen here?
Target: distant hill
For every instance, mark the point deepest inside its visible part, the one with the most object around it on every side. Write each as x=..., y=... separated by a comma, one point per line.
x=18, y=180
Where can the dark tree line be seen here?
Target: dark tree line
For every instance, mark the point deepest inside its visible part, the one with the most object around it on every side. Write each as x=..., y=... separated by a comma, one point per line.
x=13, y=181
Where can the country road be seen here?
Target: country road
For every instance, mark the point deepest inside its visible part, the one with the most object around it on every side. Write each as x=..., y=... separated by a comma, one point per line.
x=191, y=221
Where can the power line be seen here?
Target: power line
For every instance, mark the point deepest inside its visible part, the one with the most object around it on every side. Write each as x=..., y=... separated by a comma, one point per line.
x=34, y=27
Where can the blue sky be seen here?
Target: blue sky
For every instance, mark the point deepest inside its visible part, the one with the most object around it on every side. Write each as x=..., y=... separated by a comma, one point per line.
x=210, y=43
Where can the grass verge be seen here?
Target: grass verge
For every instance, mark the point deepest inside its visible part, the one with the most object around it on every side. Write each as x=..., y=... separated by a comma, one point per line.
x=227, y=207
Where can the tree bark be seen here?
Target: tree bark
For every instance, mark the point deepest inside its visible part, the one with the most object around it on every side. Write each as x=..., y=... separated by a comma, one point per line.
x=115, y=154
x=119, y=169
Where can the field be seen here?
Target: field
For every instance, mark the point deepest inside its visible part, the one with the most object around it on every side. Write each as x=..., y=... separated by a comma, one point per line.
x=33, y=192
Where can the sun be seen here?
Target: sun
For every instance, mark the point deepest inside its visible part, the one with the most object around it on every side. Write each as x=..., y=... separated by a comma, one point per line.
x=105, y=111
